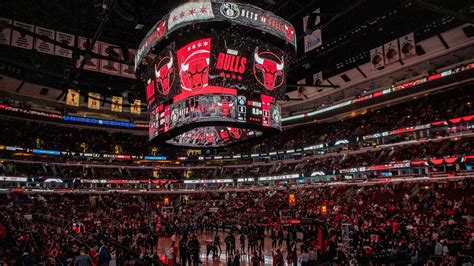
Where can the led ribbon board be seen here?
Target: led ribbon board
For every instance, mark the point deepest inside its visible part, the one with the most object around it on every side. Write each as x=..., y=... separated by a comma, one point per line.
x=196, y=12
x=216, y=75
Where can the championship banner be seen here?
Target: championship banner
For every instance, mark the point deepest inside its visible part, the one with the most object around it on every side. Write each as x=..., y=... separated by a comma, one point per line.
x=67, y=39
x=301, y=89
x=22, y=40
x=135, y=108
x=391, y=52
x=313, y=40
x=93, y=101
x=108, y=66
x=5, y=33
x=318, y=78
x=128, y=71
x=93, y=63
x=73, y=97
x=116, y=105
x=407, y=45
x=44, y=46
x=376, y=57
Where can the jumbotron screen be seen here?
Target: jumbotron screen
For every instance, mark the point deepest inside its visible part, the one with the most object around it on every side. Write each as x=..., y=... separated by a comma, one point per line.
x=210, y=90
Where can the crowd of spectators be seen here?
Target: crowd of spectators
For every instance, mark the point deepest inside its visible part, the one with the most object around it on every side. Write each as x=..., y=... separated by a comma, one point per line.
x=427, y=109
x=444, y=105
x=327, y=163
x=335, y=161
x=403, y=223
x=37, y=135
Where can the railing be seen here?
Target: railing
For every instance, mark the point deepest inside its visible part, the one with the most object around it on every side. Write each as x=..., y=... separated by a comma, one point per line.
x=358, y=183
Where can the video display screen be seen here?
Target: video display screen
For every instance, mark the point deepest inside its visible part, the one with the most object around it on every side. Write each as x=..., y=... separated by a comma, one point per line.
x=215, y=136
x=215, y=80
x=261, y=111
x=210, y=65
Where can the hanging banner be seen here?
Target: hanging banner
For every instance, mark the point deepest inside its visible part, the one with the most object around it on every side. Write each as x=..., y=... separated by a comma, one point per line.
x=301, y=89
x=391, y=52
x=5, y=32
x=67, y=39
x=22, y=40
x=107, y=66
x=313, y=40
x=73, y=97
x=128, y=71
x=93, y=101
x=376, y=57
x=116, y=105
x=135, y=108
x=93, y=63
x=407, y=45
x=44, y=46
x=318, y=78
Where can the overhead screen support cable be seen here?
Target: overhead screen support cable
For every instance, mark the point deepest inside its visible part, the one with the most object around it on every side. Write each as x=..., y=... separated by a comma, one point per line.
x=106, y=15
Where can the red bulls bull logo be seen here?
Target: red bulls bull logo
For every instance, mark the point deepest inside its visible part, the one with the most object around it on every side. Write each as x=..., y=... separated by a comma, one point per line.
x=209, y=137
x=194, y=65
x=271, y=71
x=225, y=108
x=197, y=74
x=165, y=74
x=235, y=132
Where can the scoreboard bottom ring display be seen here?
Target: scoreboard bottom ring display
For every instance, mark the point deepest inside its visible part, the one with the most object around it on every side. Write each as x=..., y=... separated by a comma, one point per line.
x=214, y=136
x=214, y=120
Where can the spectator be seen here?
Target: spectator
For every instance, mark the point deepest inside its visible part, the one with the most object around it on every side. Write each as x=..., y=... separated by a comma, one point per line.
x=82, y=260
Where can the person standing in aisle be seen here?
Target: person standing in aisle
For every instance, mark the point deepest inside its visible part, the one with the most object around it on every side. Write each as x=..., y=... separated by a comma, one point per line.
x=227, y=241
x=281, y=236
x=236, y=261
x=274, y=239
x=242, y=243
x=217, y=243
x=304, y=258
x=232, y=243
x=313, y=257
x=183, y=251
x=292, y=252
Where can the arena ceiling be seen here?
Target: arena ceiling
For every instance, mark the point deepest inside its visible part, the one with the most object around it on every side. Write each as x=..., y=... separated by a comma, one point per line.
x=350, y=28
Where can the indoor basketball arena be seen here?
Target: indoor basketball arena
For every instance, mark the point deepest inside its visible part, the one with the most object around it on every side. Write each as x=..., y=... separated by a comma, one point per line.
x=236, y=132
